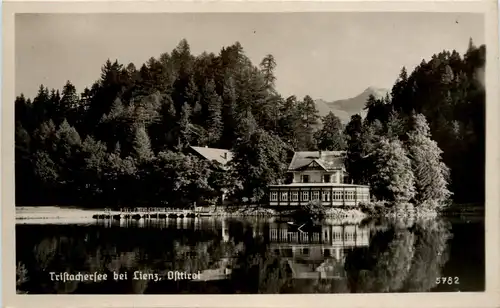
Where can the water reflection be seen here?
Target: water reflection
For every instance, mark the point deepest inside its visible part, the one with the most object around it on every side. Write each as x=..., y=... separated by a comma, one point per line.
x=318, y=252
x=239, y=256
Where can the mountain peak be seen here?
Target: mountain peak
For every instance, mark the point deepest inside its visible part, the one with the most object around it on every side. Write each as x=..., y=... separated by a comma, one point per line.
x=375, y=91
x=346, y=107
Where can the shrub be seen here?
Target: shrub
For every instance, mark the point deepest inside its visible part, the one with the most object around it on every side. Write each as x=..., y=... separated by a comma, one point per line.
x=312, y=209
x=373, y=208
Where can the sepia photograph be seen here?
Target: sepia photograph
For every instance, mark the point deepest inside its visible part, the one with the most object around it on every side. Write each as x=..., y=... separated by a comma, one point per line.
x=250, y=152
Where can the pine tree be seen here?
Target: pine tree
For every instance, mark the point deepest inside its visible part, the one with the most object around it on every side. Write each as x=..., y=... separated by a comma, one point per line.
x=44, y=136
x=229, y=115
x=354, y=156
x=431, y=174
x=23, y=163
x=330, y=137
x=117, y=111
x=23, y=113
x=246, y=127
x=68, y=134
x=52, y=108
x=289, y=123
x=66, y=151
x=471, y=47
x=309, y=113
x=94, y=162
x=22, y=141
x=164, y=133
x=214, y=123
x=68, y=106
x=41, y=106
x=141, y=145
x=376, y=109
x=394, y=180
x=362, y=139
x=395, y=127
x=184, y=127
x=183, y=87
x=267, y=66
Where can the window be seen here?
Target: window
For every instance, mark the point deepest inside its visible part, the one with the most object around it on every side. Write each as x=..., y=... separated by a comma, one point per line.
x=349, y=195
x=315, y=195
x=305, y=196
x=338, y=195
x=326, y=253
x=335, y=178
x=284, y=196
x=327, y=178
x=274, y=196
x=326, y=196
x=305, y=178
x=295, y=196
x=337, y=235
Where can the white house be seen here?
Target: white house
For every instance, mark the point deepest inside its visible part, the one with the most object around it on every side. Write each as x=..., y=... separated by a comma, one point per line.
x=318, y=175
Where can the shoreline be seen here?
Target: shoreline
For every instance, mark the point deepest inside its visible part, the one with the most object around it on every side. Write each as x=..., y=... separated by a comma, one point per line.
x=67, y=215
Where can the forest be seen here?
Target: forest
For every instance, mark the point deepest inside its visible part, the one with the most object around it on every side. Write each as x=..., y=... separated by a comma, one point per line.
x=122, y=141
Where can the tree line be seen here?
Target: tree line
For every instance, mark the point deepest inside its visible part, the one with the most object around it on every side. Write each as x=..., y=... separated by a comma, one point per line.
x=428, y=135
x=124, y=140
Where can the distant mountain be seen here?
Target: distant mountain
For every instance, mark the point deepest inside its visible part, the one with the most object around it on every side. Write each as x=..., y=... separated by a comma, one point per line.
x=345, y=108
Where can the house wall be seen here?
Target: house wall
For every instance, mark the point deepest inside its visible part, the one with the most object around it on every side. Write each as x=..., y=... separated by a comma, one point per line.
x=317, y=176
x=330, y=196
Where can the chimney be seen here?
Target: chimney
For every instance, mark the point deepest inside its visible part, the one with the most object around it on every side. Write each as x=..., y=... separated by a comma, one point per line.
x=319, y=153
x=225, y=155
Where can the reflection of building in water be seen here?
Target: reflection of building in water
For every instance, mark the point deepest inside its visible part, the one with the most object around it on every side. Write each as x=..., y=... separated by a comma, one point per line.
x=225, y=231
x=316, y=252
x=256, y=229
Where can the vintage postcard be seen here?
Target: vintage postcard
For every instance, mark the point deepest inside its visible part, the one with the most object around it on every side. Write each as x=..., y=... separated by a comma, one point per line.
x=250, y=154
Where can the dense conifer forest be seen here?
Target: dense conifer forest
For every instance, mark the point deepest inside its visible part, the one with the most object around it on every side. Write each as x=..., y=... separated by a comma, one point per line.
x=123, y=140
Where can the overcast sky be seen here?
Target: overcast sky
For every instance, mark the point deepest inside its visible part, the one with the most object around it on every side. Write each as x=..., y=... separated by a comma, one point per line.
x=326, y=55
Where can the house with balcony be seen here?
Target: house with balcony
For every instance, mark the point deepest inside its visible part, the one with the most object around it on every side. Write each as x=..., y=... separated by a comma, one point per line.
x=318, y=175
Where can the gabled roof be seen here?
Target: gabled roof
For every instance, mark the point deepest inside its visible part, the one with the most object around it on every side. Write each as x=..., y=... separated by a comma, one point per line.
x=315, y=163
x=328, y=160
x=222, y=156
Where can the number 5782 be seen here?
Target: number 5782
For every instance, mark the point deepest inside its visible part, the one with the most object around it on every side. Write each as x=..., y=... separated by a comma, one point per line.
x=447, y=280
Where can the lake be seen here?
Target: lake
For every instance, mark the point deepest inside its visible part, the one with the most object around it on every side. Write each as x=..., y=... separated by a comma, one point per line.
x=251, y=255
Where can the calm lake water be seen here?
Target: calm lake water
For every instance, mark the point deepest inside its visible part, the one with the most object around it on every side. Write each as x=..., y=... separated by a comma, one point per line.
x=254, y=256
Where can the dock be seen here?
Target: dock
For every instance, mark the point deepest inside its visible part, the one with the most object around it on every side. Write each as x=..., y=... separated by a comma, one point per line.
x=173, y=213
